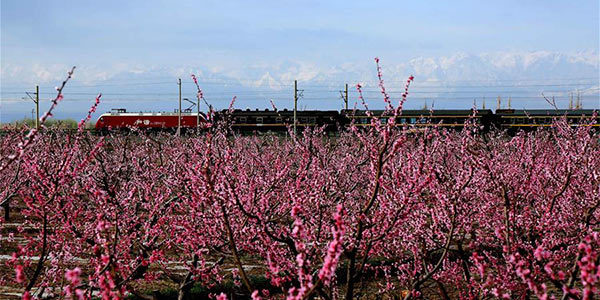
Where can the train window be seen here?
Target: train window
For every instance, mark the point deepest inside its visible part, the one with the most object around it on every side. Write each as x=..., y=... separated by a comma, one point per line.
x=259, y=120
x=312, y=120
x=243, y=119
x=413, y=120
x=278, y=120
x=303, y=119
x=403, y=120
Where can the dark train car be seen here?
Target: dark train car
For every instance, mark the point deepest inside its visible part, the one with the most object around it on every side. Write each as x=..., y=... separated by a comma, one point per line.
x=120, y=119
x=278, y=120
x=514, y=120
x=424, y=118
x=313, y=118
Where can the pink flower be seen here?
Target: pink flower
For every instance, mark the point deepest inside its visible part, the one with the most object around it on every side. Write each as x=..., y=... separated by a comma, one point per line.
x=539, y=253
x=80, y=294
x=335, y=248
x=105, y=258
x=255, y=295
x=222, y=297
x=20, y=275
x=73, y=275
x=27, y=296
x=296, y=210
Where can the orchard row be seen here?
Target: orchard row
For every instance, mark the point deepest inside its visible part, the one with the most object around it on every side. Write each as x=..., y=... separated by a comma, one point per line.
x=373, y=212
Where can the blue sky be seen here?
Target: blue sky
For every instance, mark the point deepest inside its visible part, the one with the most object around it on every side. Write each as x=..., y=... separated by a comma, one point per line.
x=168, y=32
x=246, y=39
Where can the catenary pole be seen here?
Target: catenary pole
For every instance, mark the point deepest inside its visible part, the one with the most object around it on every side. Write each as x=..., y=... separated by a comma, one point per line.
x=37, y=107
x=295, y=104
x=346, y=96
x=179, y=111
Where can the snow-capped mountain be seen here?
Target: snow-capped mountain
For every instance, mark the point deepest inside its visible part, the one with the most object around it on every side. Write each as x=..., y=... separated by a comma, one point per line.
x=450, y=81
x=492, y=68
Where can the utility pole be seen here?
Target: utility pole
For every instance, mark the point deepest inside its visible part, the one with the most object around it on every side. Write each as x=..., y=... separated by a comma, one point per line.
x=37, y=107
x=346, y=96
x=179, y=111
x=498, y=106
x=570, y=101
x=483, y=103
x=509, y=102
x=295, y=104
x=198, y=115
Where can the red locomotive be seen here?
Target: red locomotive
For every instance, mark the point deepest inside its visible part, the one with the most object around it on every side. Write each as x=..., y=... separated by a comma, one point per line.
x=120, y=119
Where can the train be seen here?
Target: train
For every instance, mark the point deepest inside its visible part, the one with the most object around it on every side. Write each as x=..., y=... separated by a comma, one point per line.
x=119, y=119
x=332, y=120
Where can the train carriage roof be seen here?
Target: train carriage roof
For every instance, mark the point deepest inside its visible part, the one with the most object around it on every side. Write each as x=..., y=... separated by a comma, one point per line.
x=284, y=112
x=543, y=112
x=420, y=112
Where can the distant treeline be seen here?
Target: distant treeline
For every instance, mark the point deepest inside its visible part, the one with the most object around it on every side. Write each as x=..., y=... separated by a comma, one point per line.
x=54, y=123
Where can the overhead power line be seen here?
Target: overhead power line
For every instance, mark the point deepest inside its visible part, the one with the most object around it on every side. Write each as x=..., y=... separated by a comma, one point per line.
x=330, y=84
x=313, y=92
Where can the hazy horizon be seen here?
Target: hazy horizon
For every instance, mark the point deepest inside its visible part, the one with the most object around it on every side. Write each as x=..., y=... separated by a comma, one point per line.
x=459, y=52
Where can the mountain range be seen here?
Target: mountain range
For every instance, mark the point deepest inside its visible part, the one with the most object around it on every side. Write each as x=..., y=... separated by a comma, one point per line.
x=450, y=81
